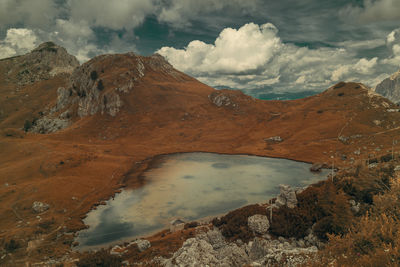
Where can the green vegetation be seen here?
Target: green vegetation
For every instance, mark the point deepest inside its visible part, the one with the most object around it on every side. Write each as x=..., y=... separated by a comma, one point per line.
x=11, y=245
x=100, y=85
x=93, y=75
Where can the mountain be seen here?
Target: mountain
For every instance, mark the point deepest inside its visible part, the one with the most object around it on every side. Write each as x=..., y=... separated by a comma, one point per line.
x=390, y=87
x=73, y=135
x=29, y=82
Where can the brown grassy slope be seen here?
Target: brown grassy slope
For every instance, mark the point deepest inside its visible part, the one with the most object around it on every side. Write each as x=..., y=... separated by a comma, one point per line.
x=75, y=168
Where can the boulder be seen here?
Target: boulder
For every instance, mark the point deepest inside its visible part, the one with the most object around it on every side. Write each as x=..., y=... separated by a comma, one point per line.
x=194, y=252
x=222, y=99
x=316, y=167
x=142, y=244
x=287, y=196
x=258, y=223
x=39, y=207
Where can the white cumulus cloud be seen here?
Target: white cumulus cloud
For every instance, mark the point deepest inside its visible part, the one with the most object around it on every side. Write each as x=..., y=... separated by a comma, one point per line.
x=254, y=56
x=17, y=41
x=235, y=51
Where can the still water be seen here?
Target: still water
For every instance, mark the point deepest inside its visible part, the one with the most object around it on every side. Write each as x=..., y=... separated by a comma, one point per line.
x=191, y=186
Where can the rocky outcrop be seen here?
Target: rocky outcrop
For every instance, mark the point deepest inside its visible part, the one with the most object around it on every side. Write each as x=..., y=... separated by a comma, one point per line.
x=208, y=249
x=42, y=63
x=258, y=223
x=390, y=88
x=49, y=125
x=287, y=196
x=213, y=250
x=222, y=99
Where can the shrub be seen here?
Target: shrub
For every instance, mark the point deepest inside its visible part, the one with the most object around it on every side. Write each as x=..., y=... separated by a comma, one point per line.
x=11, y=245
x=93, y=75
x=339, y=85
x=386, y=158
x=374, y=240
x=27, y=125
x=288, y=223
x=100, y=258
x=100, y=85
x=322, y=204
x=191, y=225
x=234, y=224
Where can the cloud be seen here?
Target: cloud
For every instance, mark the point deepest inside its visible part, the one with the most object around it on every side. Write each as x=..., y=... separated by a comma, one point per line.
x=17, y=41
x=230, y=54
x=180, y=13
x=38, y=13
x=254, y=56
x=374, y=10
x=393, y=43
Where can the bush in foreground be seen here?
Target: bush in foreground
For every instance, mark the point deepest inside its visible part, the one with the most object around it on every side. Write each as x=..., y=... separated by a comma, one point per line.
x=100, y=258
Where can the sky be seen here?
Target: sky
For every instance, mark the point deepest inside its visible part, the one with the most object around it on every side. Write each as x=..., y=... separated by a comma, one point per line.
x=259, y=46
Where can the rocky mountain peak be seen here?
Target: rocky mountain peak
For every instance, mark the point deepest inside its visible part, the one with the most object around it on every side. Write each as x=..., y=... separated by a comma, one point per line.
x=101, y=85
x=390, y=87
x=42, y=63
x=395, y=75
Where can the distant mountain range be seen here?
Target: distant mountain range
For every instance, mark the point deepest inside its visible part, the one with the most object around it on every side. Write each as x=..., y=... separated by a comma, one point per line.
x=265, y=93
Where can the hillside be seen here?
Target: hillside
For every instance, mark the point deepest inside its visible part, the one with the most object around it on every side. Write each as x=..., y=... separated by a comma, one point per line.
x=92, y=130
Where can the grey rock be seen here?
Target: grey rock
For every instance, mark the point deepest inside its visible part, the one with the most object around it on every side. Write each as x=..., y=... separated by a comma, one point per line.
x=287, y=196
x=397, y=168
x=343, y=139
x=258, y=223
x=214, y=237
x=274, y=139
x=390, y=88
x=39, y=207
x=208, y=249
x=142, y=244
x=355, y=207
x=194, y=252
x=42, y=63
x=258, y=249
x=372, y=165
x=316, y=167
x=49, y=125
x=222, y=99
x=114, y=250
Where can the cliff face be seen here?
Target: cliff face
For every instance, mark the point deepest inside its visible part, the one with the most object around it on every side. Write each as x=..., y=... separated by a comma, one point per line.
x=390, y=88
x=102, y=85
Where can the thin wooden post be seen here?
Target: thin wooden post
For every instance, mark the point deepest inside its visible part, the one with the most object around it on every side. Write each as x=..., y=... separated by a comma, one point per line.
x=270, y=210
